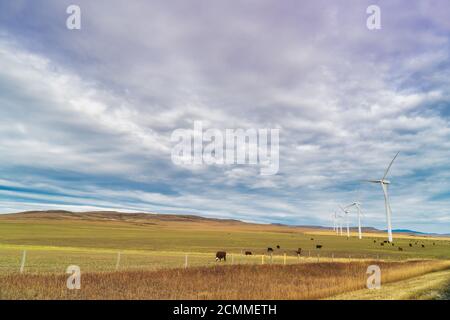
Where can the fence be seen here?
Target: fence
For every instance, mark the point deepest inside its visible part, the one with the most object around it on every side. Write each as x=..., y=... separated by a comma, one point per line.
x=57, y=260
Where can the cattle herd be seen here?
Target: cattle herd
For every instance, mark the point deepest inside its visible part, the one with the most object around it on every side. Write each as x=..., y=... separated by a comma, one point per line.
x=222, y=255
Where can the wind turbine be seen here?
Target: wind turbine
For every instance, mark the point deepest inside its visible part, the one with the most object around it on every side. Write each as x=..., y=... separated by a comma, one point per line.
x=340, y=224
x=384, y=185
x=346, y=218
x=333, y=216
x=358, y=209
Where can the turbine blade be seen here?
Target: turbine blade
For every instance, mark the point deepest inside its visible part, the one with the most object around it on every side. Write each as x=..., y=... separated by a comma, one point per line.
x=390, y=165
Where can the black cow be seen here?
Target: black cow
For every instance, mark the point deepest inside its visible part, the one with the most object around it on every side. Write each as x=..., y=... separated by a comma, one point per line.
x=400, y=249
x=319, y=246
x=312, y=239
x=382, y=244
x=385, y=241
x=423, y=246
x=374, y=241
x=269, y=250
x=299, y=252
x=248, y=253
x=278, y=247
x=221, y=255
x=410, y=244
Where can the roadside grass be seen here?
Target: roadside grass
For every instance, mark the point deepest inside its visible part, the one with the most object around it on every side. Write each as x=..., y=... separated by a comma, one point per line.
x=430, y=286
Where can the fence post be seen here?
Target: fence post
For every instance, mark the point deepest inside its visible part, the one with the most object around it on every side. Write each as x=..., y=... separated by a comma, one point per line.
x=118, y=261
x=285, y=258
x=332, y=257
x=318, y=257
x=24, y=257
x=262, y=259
x=232, y=259
x=186, y=261
x=309, y=253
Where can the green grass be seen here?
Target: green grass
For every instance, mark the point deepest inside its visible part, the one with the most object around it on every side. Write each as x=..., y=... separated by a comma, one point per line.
x=53, y=244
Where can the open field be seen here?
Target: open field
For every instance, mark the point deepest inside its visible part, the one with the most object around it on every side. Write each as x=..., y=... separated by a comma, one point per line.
x=155, y=247
x=299, y=281
x=92, y=241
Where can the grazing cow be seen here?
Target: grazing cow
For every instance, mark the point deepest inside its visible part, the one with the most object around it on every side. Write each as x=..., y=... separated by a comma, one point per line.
x=392, y=244
x=221, y=255
x=382, y=244
x=312, y=239
x=278, y=247
x=319, y=246
x=400, y=249
x=374, y=241
x=299, y=252
x=423, y=246
x=434, y=244
x=410, y=244
x=385, y=241
x=248, y=253
x=269, y=250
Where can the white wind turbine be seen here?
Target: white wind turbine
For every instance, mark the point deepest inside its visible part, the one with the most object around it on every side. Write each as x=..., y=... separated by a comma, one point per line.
x=357, y=205
x=333, y=216
x=384, y=185
x=346, y=218
x=340, y=224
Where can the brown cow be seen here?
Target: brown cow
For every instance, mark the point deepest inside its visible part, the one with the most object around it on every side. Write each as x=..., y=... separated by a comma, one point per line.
x=248, y=253
x=319, y=246
x=221, y=255
x=269, y=249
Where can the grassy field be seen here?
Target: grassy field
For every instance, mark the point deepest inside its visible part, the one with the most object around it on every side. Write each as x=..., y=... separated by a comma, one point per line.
x=430, y=286
x=153, y=243
x=297, y=281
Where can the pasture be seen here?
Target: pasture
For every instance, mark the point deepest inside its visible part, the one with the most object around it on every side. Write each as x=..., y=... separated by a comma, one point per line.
x=160, y=243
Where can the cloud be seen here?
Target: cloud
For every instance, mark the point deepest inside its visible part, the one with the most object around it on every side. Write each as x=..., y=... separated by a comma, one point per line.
x=86, y=117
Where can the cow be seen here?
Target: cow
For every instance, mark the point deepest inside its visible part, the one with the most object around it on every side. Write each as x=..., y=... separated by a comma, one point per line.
x=385, y=241
x=410, y=244
x=269, y=249
x=248, y=253
x=312, y=239
x=434, y=244
x=299, y=252
x=319, y=246
x=423, y=246
x=382, y=244
x=400, y=249
x=278, y=247
x=221, y=255
x=392, y=244
x=374, y=241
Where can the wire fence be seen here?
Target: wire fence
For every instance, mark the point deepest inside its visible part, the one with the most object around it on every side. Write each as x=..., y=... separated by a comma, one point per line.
x=56, y=261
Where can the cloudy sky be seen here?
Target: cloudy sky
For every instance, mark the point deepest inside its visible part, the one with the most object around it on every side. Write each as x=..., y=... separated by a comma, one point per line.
x=86, y=115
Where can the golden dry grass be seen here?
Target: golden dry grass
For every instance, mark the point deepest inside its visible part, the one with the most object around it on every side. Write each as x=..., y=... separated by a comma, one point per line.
x=300, y=281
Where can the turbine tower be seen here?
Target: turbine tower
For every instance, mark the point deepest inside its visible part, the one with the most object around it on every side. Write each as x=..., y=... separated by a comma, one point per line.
x=335, y=224
x=384, y=185
x=357, y=205
x=346, y=219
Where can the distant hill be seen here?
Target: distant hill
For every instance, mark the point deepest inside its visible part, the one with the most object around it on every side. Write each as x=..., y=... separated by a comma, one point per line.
x=150, y=218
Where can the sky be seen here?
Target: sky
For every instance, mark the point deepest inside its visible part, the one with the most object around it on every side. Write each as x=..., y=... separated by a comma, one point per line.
x=86, y=116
